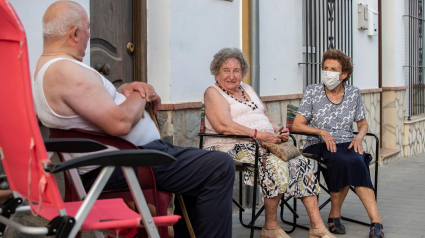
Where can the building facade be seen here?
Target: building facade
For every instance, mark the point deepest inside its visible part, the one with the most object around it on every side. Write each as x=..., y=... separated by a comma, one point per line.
x=183, y=35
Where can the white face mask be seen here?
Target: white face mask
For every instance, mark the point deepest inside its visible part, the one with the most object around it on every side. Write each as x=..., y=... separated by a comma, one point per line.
x=330, y=79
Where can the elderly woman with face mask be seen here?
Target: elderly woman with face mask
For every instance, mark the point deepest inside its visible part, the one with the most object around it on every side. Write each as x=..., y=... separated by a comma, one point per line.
x=232, y=107
x=329, y=109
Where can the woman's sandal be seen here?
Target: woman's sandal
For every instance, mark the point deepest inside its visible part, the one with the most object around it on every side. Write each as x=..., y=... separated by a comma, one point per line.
x=278, y=233
x=313, y=233
x=337, y=227
x=376, y=230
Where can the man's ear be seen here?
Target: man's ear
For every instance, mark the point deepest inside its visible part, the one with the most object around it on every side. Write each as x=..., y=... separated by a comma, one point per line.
x=73, y=35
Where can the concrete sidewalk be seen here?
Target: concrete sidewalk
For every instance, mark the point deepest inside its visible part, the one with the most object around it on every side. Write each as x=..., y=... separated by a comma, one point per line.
x=401, y=204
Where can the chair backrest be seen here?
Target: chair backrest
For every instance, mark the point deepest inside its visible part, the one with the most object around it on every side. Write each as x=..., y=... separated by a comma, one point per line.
x=291, y=112
x=202, y=129
x=148, y=181
x=22, y=148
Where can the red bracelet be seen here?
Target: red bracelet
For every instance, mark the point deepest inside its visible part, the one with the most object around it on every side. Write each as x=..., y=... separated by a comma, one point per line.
x=255, y=133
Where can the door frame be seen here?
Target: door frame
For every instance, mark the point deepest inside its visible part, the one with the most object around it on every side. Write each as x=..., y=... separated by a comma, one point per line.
x=140, y=38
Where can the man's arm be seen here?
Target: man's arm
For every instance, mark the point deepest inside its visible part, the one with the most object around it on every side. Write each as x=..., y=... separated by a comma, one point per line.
x=145, y=90
x=71, y=89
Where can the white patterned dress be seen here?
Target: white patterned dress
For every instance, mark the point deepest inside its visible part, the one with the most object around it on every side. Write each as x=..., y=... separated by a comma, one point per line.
x=337, y=119
x=296, y=177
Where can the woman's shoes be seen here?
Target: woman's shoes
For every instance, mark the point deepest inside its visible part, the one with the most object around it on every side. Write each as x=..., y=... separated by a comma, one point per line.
x=278, y=233
x=376, y=230
x=314, y=233
x=337, y=227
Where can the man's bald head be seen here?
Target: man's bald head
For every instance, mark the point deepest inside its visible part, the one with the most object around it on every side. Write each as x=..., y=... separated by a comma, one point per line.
x=60, y=17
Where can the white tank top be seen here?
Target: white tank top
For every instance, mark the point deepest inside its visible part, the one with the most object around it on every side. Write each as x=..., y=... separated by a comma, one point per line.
x=142, y=133
x=242, y=114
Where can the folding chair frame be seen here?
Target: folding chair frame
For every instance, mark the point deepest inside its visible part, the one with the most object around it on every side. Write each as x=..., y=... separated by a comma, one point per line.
x=120, y=144
x=126, y=159
x=321, y=168
x=240, y=167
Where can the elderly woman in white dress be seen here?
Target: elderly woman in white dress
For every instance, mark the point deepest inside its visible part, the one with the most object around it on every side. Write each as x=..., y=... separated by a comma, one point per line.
x=232, y=107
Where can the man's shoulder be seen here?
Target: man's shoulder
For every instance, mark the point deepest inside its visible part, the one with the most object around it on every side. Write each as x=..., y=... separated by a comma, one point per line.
x=63, y=65
x=70, y=71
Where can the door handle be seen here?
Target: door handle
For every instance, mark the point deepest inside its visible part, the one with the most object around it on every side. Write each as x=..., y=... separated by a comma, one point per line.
x=104, y=69
x=130, y=47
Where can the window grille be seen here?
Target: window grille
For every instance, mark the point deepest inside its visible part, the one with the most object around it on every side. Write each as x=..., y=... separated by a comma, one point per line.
x=328, y=24
x=415, y=67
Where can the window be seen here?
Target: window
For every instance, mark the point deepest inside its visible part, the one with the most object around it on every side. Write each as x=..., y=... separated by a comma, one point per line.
x=327, y=24
x=414, y=57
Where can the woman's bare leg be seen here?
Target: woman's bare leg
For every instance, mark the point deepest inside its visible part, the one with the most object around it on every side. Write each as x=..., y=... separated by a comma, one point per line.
x=318, y=228
x=270, y=209
x=310, y=204
x=337, y=198
x=367, y=196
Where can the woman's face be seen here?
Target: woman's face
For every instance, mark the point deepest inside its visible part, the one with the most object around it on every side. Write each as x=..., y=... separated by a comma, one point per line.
x=230, y=74
x=334, y=66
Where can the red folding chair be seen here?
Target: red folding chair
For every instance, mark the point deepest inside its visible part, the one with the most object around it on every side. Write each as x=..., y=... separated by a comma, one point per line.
x=30, y=172
x=74, y=190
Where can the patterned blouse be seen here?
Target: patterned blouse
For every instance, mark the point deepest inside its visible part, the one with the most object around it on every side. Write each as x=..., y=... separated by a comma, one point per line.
x=337, y=119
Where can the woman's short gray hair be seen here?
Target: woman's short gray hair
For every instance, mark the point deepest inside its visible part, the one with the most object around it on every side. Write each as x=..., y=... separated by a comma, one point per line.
x=227, y=53
x=57, y=28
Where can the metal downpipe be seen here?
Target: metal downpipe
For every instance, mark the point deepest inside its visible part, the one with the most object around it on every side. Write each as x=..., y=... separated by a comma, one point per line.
x=254, y=9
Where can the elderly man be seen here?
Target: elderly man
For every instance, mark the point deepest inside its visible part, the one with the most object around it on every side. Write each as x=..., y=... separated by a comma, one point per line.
x=69, y=94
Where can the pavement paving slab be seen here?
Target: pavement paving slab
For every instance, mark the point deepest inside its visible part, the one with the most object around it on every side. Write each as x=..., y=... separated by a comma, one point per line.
x=401, y=192
x=401, y=203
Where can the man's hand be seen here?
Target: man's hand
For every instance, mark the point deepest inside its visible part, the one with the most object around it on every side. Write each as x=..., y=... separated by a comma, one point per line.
x=156, y=104
x=145, y=90
x=329, y=140
x=357, y=143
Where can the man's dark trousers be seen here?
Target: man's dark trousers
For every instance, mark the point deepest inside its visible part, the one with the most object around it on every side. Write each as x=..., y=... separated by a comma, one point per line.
x=205, y=179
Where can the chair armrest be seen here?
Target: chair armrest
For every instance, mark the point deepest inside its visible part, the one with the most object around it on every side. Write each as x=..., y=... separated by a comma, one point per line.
x=307, y=134
x=133, y=158
x=69, y=145
x=257, y=145
x=369, y=134
x=376, y=145
x=231, y=136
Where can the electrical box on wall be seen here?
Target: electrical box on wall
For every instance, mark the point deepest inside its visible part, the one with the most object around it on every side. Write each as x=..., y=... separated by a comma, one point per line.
x=372, y=29
x=363, y=16
x=367, y=19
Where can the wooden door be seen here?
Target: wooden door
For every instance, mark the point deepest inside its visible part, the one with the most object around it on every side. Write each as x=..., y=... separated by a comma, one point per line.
x=111, y=49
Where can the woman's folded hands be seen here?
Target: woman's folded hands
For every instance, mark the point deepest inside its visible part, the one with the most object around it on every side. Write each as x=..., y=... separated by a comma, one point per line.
x=271, y=137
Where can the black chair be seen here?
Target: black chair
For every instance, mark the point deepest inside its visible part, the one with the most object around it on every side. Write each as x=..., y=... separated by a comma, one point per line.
x=240, y=167
x=322, y=169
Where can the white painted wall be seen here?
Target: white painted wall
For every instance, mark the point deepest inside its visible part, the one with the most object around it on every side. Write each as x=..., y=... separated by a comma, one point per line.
x=159, y=48
x=183, y=36
x=281, y=47
x=393, y=46
x=365, y=52
x=31, y=13
x=198, y=30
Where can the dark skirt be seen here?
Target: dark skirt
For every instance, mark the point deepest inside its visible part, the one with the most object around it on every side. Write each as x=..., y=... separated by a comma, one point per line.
x=344, y=167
